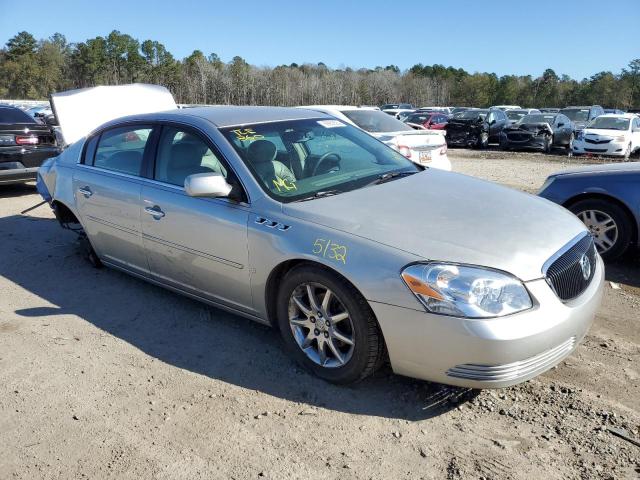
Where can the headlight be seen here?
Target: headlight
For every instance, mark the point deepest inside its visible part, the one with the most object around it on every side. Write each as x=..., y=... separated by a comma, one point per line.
x=620, y=138
x=466, y=291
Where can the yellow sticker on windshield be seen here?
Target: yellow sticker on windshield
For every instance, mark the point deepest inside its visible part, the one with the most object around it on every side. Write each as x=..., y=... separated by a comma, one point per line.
x=330, y=250
x=247, y=134
x=283, y=184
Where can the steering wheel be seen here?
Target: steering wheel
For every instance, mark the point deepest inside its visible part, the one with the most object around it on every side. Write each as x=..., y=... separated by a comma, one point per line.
x=323, y=159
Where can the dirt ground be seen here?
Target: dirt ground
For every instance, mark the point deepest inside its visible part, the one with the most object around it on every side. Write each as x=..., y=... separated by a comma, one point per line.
x=105, y=376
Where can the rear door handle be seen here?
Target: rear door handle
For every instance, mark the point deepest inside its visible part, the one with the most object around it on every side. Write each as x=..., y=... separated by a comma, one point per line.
x=155, y=212
x=86, y=191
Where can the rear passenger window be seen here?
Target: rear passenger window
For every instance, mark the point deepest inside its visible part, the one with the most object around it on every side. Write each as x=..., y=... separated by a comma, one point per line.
x=122, y=149
x=181, y=154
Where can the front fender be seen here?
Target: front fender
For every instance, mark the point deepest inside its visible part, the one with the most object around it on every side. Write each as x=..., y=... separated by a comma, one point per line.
x=373, y=268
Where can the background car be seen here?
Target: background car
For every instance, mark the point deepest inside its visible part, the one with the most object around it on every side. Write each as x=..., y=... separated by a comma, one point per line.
x=549, y=109
x=429, y=120
x=580, y=116
x=507, y=107
x=475, y=127
x=539, y=131
x=445, y=110
x=607, y=200
x=516, y=114
x=397, y=106
x=24, y=145
x=614, y=110
x=613, y=135
x=424, y=147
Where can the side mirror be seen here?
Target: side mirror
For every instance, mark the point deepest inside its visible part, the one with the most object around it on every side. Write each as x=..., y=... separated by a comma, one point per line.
x=211, y=185
x=560, y=125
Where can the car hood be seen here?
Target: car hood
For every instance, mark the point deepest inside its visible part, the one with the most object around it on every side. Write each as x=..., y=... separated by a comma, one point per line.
x=604, y=168
x=450, y=217
x=81, y=111
x=411, y=138
x=599, y=132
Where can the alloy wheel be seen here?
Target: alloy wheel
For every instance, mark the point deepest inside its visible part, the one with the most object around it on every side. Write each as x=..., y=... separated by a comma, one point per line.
x=321, y=325
x=603, y=228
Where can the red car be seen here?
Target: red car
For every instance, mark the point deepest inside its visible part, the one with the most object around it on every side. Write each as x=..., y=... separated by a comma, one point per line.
x=427, y=120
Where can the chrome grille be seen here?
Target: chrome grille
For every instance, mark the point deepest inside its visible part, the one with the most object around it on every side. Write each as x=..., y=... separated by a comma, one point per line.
x=512, y=371
x=565, y=273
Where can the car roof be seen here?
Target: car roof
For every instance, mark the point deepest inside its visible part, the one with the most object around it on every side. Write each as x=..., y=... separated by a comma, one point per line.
x=227, y=115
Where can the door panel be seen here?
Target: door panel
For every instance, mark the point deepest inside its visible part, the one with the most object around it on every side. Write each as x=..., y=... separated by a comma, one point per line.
x=109, y=206
x=197, y=244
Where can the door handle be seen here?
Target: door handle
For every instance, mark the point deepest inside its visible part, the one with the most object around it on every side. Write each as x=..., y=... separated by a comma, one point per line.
x=86, y=191
x=155, y=212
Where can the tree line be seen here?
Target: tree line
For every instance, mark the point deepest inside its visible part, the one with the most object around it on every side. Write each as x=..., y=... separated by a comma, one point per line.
x=32, y=69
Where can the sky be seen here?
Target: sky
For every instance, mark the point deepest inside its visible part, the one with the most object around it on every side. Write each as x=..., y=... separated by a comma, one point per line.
x=577, y=38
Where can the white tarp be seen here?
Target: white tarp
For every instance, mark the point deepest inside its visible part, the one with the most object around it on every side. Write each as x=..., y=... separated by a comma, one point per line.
x=80, y=111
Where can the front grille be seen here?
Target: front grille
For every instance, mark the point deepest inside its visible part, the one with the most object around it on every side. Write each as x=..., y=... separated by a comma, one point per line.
x=571, y=271
x=513, y=371
x=518, y=137
x=595, y=150
x=596, y=142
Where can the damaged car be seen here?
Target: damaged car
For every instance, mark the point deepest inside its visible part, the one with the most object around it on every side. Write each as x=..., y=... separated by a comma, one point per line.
x=475, y=127
x=359, y=258
x=539, y=131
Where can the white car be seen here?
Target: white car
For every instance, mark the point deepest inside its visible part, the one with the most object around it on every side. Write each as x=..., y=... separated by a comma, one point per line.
x=504, y=108
x=610, y=134
x=424, y=147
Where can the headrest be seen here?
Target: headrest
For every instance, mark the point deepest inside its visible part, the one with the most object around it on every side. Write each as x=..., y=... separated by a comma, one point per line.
x=262, y=151
x=185, y=155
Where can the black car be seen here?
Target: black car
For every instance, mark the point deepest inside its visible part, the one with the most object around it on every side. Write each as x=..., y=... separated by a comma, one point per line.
x=24, y=145
x=475, y=127
x=606, y=198
x=549, y=110
x=580, y=116
x=539, y=131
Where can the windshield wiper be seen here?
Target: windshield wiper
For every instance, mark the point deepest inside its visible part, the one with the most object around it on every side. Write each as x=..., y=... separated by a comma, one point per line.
x=387, y=177
x=320, y=194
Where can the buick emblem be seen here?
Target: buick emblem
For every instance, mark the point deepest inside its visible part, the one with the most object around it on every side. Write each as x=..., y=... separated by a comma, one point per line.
x=585, y=265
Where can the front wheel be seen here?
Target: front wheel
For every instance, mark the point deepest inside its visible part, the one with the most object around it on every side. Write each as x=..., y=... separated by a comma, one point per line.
x=608, y=223
x=328, y=326
x=483, y=140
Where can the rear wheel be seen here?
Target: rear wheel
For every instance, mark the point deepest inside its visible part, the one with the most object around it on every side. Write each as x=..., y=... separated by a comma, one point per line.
x=608, y=223
x=328, y=326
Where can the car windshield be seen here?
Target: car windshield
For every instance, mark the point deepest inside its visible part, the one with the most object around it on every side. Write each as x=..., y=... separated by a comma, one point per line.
x=609, y=123
x=515, y=114
x=576, y=114
x=375, y=121
x=14, y=115
x=537, y=118
x=306, y=159
x=470, y=115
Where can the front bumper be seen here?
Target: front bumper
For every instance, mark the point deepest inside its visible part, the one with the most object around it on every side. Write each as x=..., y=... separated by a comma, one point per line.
x=462, y=138
x=18, y=174
x=612, y=148
x=530, y=142
x=492, y=353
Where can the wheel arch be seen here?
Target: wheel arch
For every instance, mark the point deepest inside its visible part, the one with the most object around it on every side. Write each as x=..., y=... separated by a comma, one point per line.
x=608, y=198
x=63, y=213
x=279, y=272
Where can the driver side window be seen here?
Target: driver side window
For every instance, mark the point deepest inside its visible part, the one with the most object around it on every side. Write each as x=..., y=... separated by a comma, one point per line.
x=182, y=153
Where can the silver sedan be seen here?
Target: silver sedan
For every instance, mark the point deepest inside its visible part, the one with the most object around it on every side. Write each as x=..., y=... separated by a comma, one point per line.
x=295, y=219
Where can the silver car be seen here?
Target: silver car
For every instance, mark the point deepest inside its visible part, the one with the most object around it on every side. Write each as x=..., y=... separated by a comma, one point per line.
x=295, y=219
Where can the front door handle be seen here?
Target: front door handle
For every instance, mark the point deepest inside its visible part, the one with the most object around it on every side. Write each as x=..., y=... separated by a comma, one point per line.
x=155, y=212
x=86, y=191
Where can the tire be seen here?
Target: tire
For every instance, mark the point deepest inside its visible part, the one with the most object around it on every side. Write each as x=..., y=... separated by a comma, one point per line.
x=361, y=358
x=548, y=143
x=570, y=144
x=595, y=211
x=483, y=141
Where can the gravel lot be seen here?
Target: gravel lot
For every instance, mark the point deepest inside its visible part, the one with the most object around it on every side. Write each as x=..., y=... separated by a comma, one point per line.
x=105, y=376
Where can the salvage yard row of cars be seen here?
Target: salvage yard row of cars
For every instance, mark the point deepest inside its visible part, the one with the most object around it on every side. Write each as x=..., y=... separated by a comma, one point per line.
x=578, y=130
x=320, y=221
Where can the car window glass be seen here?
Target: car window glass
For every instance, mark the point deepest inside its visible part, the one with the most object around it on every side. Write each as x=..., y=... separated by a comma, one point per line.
x=182, y=153
x=122, y=149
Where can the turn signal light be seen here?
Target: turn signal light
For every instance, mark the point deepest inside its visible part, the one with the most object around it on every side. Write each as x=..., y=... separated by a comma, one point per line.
x=30, y=140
